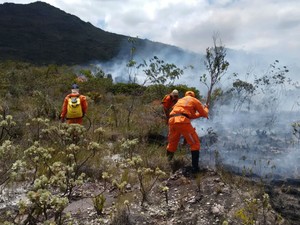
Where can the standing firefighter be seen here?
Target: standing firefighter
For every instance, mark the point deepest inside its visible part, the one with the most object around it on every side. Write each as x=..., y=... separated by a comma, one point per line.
x=184, y=110
x=168, y=102
x=74, y=107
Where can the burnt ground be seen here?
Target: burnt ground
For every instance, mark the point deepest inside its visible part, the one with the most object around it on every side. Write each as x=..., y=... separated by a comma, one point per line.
x=285, y=198
x=208, y=198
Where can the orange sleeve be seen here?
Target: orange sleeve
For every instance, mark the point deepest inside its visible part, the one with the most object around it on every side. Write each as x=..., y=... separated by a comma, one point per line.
x=201, y=110
x=167, y=105
x=167, y=102
x=84, y=104
x=64, y=107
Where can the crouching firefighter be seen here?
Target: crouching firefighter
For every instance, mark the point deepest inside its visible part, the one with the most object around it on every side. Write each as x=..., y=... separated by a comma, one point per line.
x=74, y=106
x=168, y=102
x=184, y=110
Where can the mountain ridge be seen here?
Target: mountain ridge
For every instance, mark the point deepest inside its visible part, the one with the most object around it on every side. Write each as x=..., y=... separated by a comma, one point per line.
x=40, y=33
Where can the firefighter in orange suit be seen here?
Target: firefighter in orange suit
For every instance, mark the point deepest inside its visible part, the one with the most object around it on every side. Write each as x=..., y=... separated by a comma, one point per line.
x=168, y=102
x=64, y=116
x=184, y=110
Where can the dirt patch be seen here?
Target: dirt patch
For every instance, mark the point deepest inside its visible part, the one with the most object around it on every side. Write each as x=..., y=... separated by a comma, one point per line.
x=207, y=198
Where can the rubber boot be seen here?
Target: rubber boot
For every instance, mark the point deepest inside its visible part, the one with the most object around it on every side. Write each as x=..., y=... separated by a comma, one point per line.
x=195, y=161
x=170, y=155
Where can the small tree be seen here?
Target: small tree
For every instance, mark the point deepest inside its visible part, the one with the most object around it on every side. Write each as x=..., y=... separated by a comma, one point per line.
x=157, y=71
x=162, y=74
x=243, y=93
x=147, y=177
x=271, y=86
x=216, y=65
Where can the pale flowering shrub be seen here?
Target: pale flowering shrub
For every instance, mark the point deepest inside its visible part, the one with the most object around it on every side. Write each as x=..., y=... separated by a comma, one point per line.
x=252, y=209
x=78, y=156
x=74, y=133
x=65, y=134
x=145, y=171
x=49, y=194
x=72, y=149
x=7, y=125
x=147, y=177
x=38, y=158
x=54, y=164
x=8, y=155
x=106, y=177
x=98, y=203
x=135, y=162
x=159, y=172
x=100, y=132
x=127, y=204
x=94, y=147
x=18, y=171
x=165, y=190
x=65, y=178
x=7, y=121
x=41, y=203
x=37, y=128
x=99, y=200
x=120, y=185
x=23, y=206
x=41, y=182
x=128, y=147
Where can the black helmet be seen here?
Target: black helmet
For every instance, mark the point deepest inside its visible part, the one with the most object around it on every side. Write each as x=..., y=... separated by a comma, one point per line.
x=75, y=86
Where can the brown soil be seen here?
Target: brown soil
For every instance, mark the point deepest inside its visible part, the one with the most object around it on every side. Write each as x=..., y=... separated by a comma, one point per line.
x=207, y=198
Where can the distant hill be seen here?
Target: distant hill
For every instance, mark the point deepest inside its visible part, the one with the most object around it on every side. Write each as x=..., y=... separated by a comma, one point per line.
x=42, y=34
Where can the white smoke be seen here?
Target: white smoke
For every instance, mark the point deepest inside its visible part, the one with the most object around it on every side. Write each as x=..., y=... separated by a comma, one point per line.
x=255, y=137
x=259, y=141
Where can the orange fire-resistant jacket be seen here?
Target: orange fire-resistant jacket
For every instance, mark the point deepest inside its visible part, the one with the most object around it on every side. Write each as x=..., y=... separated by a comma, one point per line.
x=168, y=102
x=84, y=106
x=184, y=110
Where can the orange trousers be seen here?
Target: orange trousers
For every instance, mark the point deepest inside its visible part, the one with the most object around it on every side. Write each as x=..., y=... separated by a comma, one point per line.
x=75, y=120
x=187, y=131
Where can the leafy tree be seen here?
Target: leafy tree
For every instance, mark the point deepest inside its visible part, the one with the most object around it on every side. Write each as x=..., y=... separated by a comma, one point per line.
x=242, y=92
x=131, y=62
x=216, y=65
x=160, y=72
x=157, y=71
x=271, y=86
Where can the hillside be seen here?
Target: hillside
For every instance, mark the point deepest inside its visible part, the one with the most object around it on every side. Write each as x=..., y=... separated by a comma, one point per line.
x=113, y=169
x=42, y=34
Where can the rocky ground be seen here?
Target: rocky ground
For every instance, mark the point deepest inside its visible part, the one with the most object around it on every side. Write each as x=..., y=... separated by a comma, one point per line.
x=285, y=198
x=208, y=198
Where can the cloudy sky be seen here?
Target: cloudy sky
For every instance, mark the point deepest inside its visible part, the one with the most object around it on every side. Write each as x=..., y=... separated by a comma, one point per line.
x=268, y=28
x=262, y=26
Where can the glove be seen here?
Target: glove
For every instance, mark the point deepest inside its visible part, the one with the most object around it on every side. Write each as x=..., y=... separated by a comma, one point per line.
x=62, y=119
